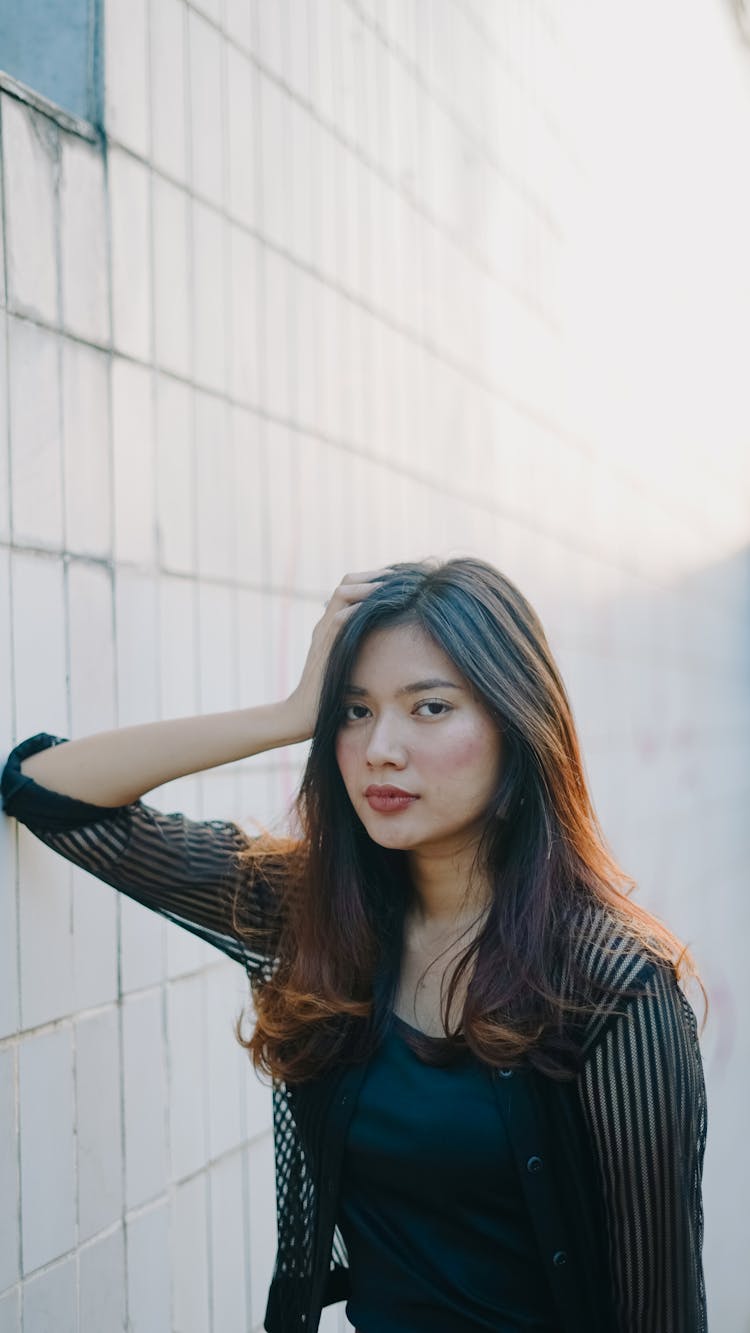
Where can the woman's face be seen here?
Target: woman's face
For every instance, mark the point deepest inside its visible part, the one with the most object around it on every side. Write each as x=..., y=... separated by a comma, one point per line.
x=436, y=741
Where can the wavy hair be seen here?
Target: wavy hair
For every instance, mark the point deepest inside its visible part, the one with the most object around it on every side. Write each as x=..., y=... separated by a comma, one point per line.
x=336, y=900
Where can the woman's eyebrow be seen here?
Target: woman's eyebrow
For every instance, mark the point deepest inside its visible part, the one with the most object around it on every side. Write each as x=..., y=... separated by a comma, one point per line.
x=413, y=688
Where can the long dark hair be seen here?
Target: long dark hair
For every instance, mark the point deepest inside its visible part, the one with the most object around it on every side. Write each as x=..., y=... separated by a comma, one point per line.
x=340, y=898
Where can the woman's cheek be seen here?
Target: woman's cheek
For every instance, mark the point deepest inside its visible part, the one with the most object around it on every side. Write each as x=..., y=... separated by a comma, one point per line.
x=467, y=750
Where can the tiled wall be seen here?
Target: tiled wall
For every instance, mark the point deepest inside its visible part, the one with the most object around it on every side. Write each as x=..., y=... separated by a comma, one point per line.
x=351, y=282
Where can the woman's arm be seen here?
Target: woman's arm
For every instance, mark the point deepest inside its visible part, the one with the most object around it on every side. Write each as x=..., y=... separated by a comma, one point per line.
x=116, y=767
x=185, y=869
x=644, y=1101
x=83, y=798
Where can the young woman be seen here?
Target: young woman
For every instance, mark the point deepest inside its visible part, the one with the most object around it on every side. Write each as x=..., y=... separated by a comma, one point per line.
x=489, y=1104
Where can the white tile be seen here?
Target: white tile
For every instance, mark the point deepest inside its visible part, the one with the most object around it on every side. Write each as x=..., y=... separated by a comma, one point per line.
x=303, y=346
x=94, y=941
x=129, y=188
x=132, y=431
x=358, y=371
x=238, y=21
x=148, y=1271
x=211, y=8
x=324, y=22
x=47, y=1147
x=274, y=159
x=9, y=1015
x=348, y=74
x=214, y=487
x=141, y=944
x=126, y=77
x=174, y=475
x=242, y=137
x=328, y=223
x=226, y=989
x=8, y=876
x=275, y=382
x=249, y=517
x=49, y=1300
x=83, y=241
x=300, y=201
x=216, y=625
x=263, y=1233
x=258, y=1097
x=4, y=437
x=189, y=1256
x=283, y=504
x=345, y=423
x=38, y=645
x=91, y=649
x=387, y=67
x=44, y=927
x=329, y=417
x=9, y=1196
x=10, y=1311
x=298, y=49
x=172, y=342
x=254, y=669
x=101, y=1279
x=3, y=293
x=272, y=20
x=86, y=452
x=98, y=1123
x=210, y=241
x=30, y=156
x=36, y=458
x=145, y=1093
x=136, y=618
x=229, y=1246
x=309, y=454
x=256, y=810
x=244, y=316
x=370, y=109
x=185, y=952
x=168, y=89
x=177, y=654
x=187, y=1076
x=206, y=109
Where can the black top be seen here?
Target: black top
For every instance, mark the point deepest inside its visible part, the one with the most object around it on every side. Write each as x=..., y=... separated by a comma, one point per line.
x=431, y=1207
x=610, y=1164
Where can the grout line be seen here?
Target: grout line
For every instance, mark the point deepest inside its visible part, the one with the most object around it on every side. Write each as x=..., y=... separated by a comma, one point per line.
x=64, y=120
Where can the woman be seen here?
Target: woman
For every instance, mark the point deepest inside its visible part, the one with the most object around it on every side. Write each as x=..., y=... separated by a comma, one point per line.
x=489, y=1105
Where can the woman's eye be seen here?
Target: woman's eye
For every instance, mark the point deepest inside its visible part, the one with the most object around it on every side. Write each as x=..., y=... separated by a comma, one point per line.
x=345, y=711
x=434, y=703
x=426, y=703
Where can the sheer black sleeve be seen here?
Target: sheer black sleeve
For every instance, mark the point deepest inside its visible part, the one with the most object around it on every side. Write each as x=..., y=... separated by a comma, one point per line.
x=187, y=870
x=644, y=1100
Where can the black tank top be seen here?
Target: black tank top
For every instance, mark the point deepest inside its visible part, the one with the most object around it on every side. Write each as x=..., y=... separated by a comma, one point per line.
x=431, y=1208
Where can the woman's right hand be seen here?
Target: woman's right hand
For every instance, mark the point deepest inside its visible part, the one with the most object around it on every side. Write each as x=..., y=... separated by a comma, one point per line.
x=345, y=599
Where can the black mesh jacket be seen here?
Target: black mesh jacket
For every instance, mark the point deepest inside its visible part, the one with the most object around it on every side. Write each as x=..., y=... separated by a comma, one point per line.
x=611, y=1164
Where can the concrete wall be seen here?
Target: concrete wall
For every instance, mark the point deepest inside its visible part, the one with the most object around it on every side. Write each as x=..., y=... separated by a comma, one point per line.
x=352, y=282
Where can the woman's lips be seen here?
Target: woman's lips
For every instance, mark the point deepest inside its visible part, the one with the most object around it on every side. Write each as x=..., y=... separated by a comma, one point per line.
x=387, y=804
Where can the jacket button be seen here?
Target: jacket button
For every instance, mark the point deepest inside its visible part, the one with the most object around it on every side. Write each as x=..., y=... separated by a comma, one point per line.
x=559, y=1257
x=534, y=1164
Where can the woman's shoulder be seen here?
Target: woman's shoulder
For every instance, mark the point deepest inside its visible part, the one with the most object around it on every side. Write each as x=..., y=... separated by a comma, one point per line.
x=608, y=964
x=608, y=948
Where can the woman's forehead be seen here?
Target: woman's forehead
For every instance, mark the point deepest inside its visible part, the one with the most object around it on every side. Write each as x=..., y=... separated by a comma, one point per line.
x=399, y=648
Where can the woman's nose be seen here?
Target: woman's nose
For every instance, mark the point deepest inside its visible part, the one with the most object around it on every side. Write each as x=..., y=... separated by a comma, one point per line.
x=384, y=743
